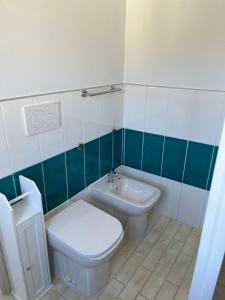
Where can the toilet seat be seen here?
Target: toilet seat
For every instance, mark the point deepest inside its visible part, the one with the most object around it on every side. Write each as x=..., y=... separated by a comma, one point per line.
x=84, y=230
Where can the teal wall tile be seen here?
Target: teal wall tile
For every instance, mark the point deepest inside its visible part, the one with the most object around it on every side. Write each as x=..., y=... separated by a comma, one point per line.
x=106, y=153
x=117, y=148
x=152, y=153
x=34, y=173
x=75, y=171
x=197, y=164
x=215, y=152
x=92, y=163
x=174, y=158
x=126, y=147
x=133, y=148
x=7, y=187
x=55, y=181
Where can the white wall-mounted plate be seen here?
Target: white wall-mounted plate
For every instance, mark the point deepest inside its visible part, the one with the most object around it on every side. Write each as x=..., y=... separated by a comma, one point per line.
x=42, y=118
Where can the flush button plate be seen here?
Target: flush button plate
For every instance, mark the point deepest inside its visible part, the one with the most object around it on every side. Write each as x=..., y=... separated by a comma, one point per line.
x=41, y=118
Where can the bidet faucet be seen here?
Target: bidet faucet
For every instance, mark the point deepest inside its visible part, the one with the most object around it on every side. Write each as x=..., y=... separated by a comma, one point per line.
x=111, y=176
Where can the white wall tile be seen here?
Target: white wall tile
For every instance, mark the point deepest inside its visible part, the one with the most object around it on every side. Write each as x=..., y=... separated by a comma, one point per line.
x=92, y=128
x=205, y=203
x=106, y=105
x=206, y=117
x=118, y=103
x=156, y=110
x=24, y=151
x=134, y=107
x=220, y=122
x=5, y=167
x=72, y=119
x=180, y=106
x=191, y=205
x=51, y=142
x=168, y=204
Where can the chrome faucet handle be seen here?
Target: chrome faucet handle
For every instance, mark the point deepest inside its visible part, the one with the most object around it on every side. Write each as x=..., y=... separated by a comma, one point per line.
x=110, y=176
x=117, y=175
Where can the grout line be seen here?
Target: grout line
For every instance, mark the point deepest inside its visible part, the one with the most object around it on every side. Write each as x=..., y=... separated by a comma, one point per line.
x=66, y=173
x=161, y=169
x=113, y=141
x=172, y=87
x=210, y=167
x=43, y=173
x=84, y=165
x=185, y=162
x=14, y=184
x=142, y=150
x=59, y=92
x=42, y=166
x=64, y=146
x=45, y=195
x=143, y=282
x=123, y=156
x=99, y=157
x=8, y=150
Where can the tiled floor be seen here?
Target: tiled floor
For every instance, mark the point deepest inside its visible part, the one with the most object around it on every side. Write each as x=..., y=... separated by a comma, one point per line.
x=159, y=266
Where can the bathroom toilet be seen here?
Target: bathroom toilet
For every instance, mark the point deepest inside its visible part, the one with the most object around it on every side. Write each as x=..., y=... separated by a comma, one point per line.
x=82, y=239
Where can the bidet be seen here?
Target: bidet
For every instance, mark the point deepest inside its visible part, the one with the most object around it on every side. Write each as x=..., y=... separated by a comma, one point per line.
x=130, y=197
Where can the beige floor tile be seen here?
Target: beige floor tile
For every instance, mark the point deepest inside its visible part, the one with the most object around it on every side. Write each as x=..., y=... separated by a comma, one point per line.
x=129, y=268
x=179, y=269
x=51, y=295
x=162, y=223
x=191, y=268
x=135, y=284
x=183, y=232
x=191, y=245
x=183, y=291
x=112, y=290
x=154, y=256
x=6, y=297
x=219, y=292
x=129, y=248
x=59, y=287
x=167, y=292
x=140, y=297
x=170, y=231
x=148, y=242
x=154, y=283
x=116, y=263
x=69, y=294
x=94, y=297
x=152, y=220
x=171, y=253
x=156, y=267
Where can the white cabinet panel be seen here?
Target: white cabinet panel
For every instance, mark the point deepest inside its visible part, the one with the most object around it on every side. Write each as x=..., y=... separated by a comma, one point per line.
x=33, y=254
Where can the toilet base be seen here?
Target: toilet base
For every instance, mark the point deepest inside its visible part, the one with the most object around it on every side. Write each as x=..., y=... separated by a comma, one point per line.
x=86, y=281
x=136, y=226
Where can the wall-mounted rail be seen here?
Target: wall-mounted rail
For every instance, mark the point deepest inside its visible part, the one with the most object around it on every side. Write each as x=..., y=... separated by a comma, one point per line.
x=111, y=89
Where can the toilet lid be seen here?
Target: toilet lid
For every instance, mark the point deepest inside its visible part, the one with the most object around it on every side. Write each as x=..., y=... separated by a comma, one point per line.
x=85, y=228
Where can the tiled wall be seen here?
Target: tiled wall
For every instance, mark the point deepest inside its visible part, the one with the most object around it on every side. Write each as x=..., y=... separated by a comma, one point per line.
x=184, y=161
x=174, y=136
x=52, y=159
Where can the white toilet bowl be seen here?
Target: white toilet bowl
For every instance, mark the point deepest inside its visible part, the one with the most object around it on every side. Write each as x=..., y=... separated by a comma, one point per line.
x=82, y=239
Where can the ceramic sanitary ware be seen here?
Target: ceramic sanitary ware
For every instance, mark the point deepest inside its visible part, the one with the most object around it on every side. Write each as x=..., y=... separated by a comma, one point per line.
x=130, y=197
x=82, y=239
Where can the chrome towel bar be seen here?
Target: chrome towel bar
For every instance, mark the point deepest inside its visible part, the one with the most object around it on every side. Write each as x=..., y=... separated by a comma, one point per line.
x=112, y=89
